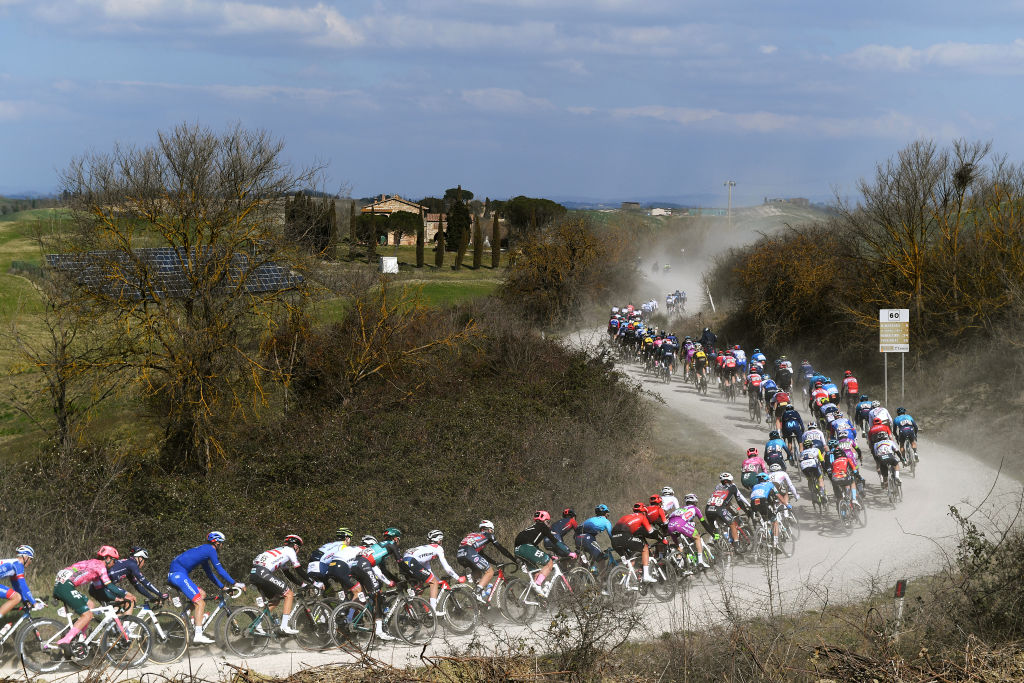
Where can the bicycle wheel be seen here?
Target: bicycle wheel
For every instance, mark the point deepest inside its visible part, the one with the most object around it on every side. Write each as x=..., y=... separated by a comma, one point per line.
x=413, y=621
x=127, y=646
x=458, y=610
x=843, y=509
x=861, y=516
x=247, y=631
x=787, y=541
x=793, y=524
x=519, y=602
x=36, y=642
x=313, y=622
x=744, y=536
x=912, y=460
x=580, y=579
x=352, y=626
x=170, y=637
x=623, y=586
x=665, y=589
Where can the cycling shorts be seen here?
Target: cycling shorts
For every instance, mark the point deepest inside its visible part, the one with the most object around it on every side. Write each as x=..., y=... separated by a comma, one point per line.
x=469, y=557
x=532, y=554
x=587, y=542
x=762, y=507
x=362, y=570
x=415, y=570
x=791, y=429
x=810, y=469
x=625, y=543
x=66, y=592
x=906, y=434
x=182, y=582
x=271, y=587
x=723, y=516
x=842, y=481
x=342, y=573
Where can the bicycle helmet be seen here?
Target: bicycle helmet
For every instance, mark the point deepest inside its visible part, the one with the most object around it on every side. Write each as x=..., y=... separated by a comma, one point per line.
x=808, y=442
x=691, y=499
x=901, y=411
x=774, y=434
x=782, y=358
x=832, y=443
x=569, y=512
x=848, y=373
x=601, y=509
x=487, y=525
x=757, y=351
x=724, y=477
x=26, y=551
x=139, y=552
x=655, y=500
x=216, y=537
x=876, y=404
x=863, y=397
x=293, y=540
x=775, y=467
x=542, y=516
x=435, y=536
x=667, y=491
x=762, y=477
x=343, y=532
x=107, y=551
x=839, y=415
x=368, y=540
x=392, y=533
x=737, y=347
x=876, y=421
x=639, y=507
x=751, y=452
x=818, y=384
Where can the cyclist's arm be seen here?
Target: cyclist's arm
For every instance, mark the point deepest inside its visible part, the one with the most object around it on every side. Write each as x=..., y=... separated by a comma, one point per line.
x=504, y=551
x=142, y=584
x=444, y=563
x=113, y=591
x=21, y=586
x=296, y=575
x=214, y=562
x=560, y=548
x=208, y=565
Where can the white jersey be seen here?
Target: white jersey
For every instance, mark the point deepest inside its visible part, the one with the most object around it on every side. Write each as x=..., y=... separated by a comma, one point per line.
x=809, y=458
x=814, y=434
x=669, y=503
x=740, y=355
x=886, y=447
x=881, y=412
x=783, y=483
x=425, y=553
x=277, y=558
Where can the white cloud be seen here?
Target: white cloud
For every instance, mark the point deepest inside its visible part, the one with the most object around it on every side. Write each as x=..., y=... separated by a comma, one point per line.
x=576, y=67
x=768, y=49
x=254, y=93
x=505, y=100
x=582, y=111
x=992, y=58
x=11, y=110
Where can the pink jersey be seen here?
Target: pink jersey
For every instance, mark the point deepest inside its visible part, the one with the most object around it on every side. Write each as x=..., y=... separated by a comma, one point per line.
x=755, y=464
x=85, y=571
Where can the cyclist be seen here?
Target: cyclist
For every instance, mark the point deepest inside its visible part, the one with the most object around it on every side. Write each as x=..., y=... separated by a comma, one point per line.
x=563, y=526
x=849, y=389
x=818, y=396
x=70, y=578
x=629, y=537
x=806, y=373
x=842, y=428
x=326, y=564
x=877, y=411
x=906, y=429
x=776, y=450
x=682, y=522
x=752, y=465
x=887, y=461
x=784, y=374
x=879, y=430
x=763, y=500
x=861, y=410
x=271, y=587
x=832, y=390
x=700, y=361
x=790, y=423
x=591, y=528
x=527, y=547
x=841, y=471
x=365, y=566
x=178, y=576
x=812, y=458
x=784, y=487
x=815, y=435
x=416, y=564
x=718, y=508
x=756, y=357
x=14, y=568
x=669, y=502
x=129, y=568
x=768, y=390
x=470, y=554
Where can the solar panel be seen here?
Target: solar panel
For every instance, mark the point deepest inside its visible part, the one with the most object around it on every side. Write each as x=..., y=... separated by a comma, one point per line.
x=161, y=272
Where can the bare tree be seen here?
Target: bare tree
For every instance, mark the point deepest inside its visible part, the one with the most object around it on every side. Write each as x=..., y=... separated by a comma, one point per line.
x=192, y=322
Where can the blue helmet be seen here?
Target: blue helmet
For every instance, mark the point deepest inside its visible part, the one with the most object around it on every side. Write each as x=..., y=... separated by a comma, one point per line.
x=763, y=476
x=25, y=550
x=216, y=536
x=601, y=509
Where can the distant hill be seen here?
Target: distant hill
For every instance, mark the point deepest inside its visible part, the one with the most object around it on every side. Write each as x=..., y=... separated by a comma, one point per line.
x=9, y=205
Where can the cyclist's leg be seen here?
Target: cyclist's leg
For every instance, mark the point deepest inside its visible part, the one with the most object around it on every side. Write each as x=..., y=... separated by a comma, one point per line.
x=192, y=592
x=66, y=592
x=11, y=598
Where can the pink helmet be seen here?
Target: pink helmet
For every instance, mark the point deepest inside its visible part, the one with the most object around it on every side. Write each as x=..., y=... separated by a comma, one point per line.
x=542, y=516
x=107, y=551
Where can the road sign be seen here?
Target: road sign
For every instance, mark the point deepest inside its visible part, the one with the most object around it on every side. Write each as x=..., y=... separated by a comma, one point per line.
x=894, y=330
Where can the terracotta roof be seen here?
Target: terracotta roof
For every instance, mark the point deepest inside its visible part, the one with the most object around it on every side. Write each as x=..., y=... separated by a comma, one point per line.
x=393, y=198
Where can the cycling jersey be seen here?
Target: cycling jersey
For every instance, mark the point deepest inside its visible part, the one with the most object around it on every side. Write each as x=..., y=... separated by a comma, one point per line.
x=850, y=386
x=792, y=423
x=815, y=435
x=879, y=432
x=205, y=555
x=684, y=520
x=723, y=495
x=533, y=534
x=14, y=569
x=776, y=447
x=901, y=422
x=669, y=503
x=754, y=464
x=783, y=483
x=272, y=560
x=842, y=467
x=85, y=571
x=424, y=554
x=762, y=490
x=811, y=460
x=637, y=524
x=128, y=568
x=593, y=526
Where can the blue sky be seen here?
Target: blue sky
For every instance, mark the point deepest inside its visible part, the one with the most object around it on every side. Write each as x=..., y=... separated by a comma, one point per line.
x=566, y=98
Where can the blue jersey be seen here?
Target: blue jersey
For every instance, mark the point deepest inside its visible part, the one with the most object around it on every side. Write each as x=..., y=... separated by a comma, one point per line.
x=901, y=421
x=595, y=525
x=128, y=568
x=792, y=420
x=762, y=489
x=205, y=555
x=758, y=358
x=15, y=570
x=775, y=446
x=819, y=378
x=843, y=428
x=769, y=385
x=831, y=388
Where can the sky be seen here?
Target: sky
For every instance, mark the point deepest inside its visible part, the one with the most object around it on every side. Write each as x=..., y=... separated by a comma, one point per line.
x=572, y=99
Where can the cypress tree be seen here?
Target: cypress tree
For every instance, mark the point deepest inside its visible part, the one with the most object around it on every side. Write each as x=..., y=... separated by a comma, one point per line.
x=439, y=249
x=495, y=241
x=463, y=246
x=352, y=239
x=478, y=243
x=487, y=207
x=371, y=251
x=420, y=237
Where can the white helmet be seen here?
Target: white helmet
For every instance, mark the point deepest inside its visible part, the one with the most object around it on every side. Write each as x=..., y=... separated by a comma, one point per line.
x=435, y=536
x=667, y=491
x=487, y=524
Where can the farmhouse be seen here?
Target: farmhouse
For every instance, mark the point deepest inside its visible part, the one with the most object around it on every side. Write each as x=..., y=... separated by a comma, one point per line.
x=388, y=205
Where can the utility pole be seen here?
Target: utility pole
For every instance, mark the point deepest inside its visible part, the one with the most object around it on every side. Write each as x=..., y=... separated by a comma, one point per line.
x=729, y=184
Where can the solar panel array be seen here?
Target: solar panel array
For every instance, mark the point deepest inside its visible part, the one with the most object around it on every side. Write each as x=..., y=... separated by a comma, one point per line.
x=162, y=272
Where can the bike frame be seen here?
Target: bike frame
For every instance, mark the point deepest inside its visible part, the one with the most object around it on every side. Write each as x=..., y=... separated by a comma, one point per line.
x=109, y=613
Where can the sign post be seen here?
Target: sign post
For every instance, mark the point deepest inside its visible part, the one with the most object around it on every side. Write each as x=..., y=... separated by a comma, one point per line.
x=894, y=337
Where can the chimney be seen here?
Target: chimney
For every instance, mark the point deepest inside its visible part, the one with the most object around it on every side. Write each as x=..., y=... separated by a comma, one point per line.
x=383, y=197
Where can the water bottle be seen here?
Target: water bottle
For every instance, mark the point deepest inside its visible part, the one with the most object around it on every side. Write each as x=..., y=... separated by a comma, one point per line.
x=6, y=629
x=487, y=591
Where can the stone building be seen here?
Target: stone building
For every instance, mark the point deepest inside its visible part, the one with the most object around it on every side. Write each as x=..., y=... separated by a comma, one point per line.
x=388, y=205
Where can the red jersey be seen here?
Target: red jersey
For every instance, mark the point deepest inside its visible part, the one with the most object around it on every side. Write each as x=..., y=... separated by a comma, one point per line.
x=878, y=432
x=636, y=521
x=850, y=386
x=781, y=397
x=841, y=467
x=817, y=394
x=656, y=515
